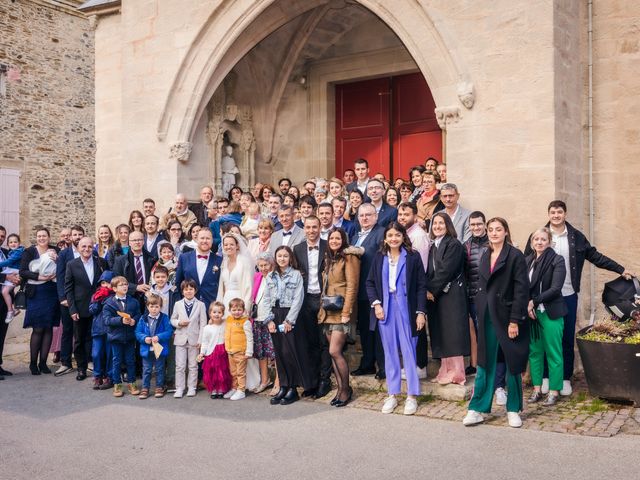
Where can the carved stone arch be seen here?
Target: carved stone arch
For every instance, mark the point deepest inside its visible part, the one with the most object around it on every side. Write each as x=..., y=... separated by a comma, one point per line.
x=210, y=58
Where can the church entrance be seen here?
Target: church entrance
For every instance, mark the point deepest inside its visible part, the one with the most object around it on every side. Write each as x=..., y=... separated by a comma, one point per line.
x=389, y=121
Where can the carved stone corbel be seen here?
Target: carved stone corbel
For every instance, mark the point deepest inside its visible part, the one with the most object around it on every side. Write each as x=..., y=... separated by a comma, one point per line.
x=180, y=151
x=466, y=94
x=446, y=116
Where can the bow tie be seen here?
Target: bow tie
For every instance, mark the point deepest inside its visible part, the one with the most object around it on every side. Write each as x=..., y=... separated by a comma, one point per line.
x=284, y=234
x=205, y=257
x=313, y=248
x=363, y=233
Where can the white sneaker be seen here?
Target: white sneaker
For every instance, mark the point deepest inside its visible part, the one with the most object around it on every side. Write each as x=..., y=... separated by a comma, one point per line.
x=403, y=374
x=229, y=394
x=178, y=394
x=410, y=406
x=191, y=392
x=238, y=395
x=390, y=404
x=9, y=317
x=545, y=386
x=501, y=396
x=472, y=418
x=514, y=419
x=422, y=373
x=566, y=388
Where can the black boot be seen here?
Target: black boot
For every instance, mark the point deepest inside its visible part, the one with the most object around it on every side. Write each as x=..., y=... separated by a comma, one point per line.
x=34, y=369
x=290, y=397
x=324, y=387
x=279, y=396
x=43, y=368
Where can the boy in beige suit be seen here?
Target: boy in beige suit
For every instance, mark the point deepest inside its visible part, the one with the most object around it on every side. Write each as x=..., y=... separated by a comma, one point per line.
x=189, y=319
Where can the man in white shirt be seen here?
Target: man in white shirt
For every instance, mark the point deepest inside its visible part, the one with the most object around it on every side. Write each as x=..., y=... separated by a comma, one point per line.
x=325, y=214
x=290, y=234
x=339, y=205
x=151, y=237
x=459, y=215
x=361, y=168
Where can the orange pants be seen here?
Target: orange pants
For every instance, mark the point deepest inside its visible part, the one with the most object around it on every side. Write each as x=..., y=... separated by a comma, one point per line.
x=238, y=369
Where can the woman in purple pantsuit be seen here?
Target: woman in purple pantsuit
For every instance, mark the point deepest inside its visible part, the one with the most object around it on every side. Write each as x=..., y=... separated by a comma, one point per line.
x=397, y=289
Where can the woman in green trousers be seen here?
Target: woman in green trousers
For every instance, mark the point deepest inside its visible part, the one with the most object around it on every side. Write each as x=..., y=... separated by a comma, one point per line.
x=547, y=308
x=503, y=325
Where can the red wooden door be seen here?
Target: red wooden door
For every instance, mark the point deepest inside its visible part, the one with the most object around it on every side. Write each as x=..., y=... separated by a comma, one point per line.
x=416, y=134
x=362, y=125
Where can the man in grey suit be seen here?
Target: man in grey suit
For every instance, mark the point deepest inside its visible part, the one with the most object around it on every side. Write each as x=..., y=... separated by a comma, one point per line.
x=459, y=215
x=290, y=234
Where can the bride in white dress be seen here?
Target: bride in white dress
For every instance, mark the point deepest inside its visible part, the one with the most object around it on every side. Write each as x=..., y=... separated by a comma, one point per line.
x=236, y=274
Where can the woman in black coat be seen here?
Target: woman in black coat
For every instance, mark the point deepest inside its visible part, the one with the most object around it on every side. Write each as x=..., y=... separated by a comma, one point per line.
x=502, y=299
x=37, y=270
x=447, y=301
x=547, y=308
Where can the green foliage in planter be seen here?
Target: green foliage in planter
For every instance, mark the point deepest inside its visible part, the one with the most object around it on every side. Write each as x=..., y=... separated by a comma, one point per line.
x=608, y=330
x=633, y=339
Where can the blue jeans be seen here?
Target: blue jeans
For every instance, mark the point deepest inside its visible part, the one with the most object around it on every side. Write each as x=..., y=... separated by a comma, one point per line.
x=501, y=367
x=123, y=352
x=148, y=363
x=101, y=354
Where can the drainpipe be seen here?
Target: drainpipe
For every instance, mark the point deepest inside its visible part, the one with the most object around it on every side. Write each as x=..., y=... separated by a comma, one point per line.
x=592, y=269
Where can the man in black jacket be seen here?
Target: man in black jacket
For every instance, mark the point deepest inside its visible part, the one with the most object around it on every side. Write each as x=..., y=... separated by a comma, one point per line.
x=135, y=267
x=15, y=279
x=81, y=281
x=574, y=247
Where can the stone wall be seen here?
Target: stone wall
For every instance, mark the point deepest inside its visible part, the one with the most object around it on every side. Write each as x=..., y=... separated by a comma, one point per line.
x=47, y=112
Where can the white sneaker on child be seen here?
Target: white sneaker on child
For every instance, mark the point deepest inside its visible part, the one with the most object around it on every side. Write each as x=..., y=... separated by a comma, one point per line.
x=501, y=396
x=191, y=392
x=238, y=395
x=229, y=394
x=178, y=394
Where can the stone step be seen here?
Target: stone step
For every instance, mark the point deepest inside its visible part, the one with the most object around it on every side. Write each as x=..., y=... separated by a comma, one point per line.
x=451, y=392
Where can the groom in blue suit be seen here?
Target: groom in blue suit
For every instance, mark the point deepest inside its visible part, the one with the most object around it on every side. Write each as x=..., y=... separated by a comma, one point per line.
x=203, y=266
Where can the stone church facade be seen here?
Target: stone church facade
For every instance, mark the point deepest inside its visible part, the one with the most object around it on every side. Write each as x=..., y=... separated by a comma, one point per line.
x=534, y=100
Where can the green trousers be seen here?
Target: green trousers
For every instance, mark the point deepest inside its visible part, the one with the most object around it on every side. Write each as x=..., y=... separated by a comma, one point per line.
x=549, y=343
x=483, y=388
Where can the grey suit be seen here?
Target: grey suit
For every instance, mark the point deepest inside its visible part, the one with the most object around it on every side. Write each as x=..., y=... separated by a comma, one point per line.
x=297, y=236
x=461, y=223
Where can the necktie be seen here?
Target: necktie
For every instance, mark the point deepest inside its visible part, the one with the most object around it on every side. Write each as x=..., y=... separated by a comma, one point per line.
x=204, y=257
x=123, y=304
x=139, y=275
x=284, y=234
x=188, y=307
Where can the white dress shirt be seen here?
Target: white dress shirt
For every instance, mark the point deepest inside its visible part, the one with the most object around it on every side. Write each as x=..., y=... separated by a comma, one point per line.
x=560, y=242
x=286, y=238
x=88, y=267
x=393, y=272
x=151, y=241
x=201, y=265
x=362, y=236
x=313, y=257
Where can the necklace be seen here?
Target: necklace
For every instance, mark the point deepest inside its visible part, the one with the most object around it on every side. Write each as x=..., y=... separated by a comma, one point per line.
x=393, y=261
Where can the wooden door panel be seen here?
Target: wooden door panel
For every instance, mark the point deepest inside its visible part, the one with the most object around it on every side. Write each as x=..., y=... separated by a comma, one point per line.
x=413, y=149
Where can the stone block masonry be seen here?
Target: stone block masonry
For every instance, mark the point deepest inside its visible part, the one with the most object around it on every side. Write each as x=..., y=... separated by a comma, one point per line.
x=47, y=112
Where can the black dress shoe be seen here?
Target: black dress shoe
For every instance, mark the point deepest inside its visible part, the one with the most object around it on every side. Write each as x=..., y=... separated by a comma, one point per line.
x=34, y=369
x=275, y=400
x=290, y=397
x=363, y=371
x=5, y=372
x=309, y=393
x=334, y=400
x=343, y=403
x=381, y=376
x=44, y=369
x=323, y=388
x=81, y=375
x=470, y=370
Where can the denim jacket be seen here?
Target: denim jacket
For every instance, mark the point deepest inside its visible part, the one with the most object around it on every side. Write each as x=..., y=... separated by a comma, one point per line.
x=287, y=290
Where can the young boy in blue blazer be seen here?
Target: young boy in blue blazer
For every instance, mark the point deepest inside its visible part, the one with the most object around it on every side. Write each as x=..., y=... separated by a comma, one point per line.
x=154, y=328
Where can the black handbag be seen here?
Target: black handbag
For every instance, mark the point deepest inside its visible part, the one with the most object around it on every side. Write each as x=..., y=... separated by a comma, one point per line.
x=20, y=299
x=331, y=303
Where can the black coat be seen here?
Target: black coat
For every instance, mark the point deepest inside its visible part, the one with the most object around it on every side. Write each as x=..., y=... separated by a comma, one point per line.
x=546, y=282
x=125, y=266
x=415, y=287
x=504, y=295
x=474, y=249
x=300, y=252
x=580, y=250
x=448, y=315
x=77, y=288
x=371, y=246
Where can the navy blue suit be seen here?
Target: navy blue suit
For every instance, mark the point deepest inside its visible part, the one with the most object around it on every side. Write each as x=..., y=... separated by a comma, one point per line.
x=208, y=290
x=66, y=342
x=354, y=186
x=351, y=228
x=372, y=351
x=387, y=214
x=153, y=252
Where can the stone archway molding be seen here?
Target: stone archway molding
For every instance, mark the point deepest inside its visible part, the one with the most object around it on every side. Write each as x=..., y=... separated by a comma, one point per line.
x=233, y=29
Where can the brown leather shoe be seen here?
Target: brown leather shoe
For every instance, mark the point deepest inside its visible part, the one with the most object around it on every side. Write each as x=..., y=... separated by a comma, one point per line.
x=144, y=394
x=117, y=390
x=159, y=392
x=133, y=389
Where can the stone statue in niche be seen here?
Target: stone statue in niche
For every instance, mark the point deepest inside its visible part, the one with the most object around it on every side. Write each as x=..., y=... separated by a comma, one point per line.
x=229, y=170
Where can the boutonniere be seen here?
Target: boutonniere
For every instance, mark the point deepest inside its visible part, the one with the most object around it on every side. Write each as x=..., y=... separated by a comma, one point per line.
x=215, y=269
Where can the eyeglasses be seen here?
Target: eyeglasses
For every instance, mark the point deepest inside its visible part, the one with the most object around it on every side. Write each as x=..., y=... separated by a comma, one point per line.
x=175, y=229
x=136, y=240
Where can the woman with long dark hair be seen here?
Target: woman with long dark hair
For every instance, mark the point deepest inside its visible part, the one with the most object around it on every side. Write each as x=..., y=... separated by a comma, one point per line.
x=447, y=301
x=396, y=287
x=340, y=279
x=120, y=246
x=38, y=270
x=503, y=325
x=136, y=221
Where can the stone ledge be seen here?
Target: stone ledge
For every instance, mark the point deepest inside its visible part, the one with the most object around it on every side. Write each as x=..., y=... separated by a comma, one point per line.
x=452, y=393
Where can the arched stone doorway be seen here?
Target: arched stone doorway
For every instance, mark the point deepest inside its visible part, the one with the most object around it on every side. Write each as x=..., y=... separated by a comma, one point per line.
x=285, y=57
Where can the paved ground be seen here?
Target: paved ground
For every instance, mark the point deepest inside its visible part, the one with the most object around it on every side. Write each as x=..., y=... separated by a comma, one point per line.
x=60, y=427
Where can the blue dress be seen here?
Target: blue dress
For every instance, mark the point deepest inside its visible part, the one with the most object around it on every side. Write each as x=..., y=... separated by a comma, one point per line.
x=43, y=307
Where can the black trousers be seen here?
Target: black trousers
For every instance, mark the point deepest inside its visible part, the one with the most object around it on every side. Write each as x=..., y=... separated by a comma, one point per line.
x=82, y=342
x=318, y=346
x=372, y=352
x=288, y=356
x=421, y=348
x=3, y=327
x=66, y=342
